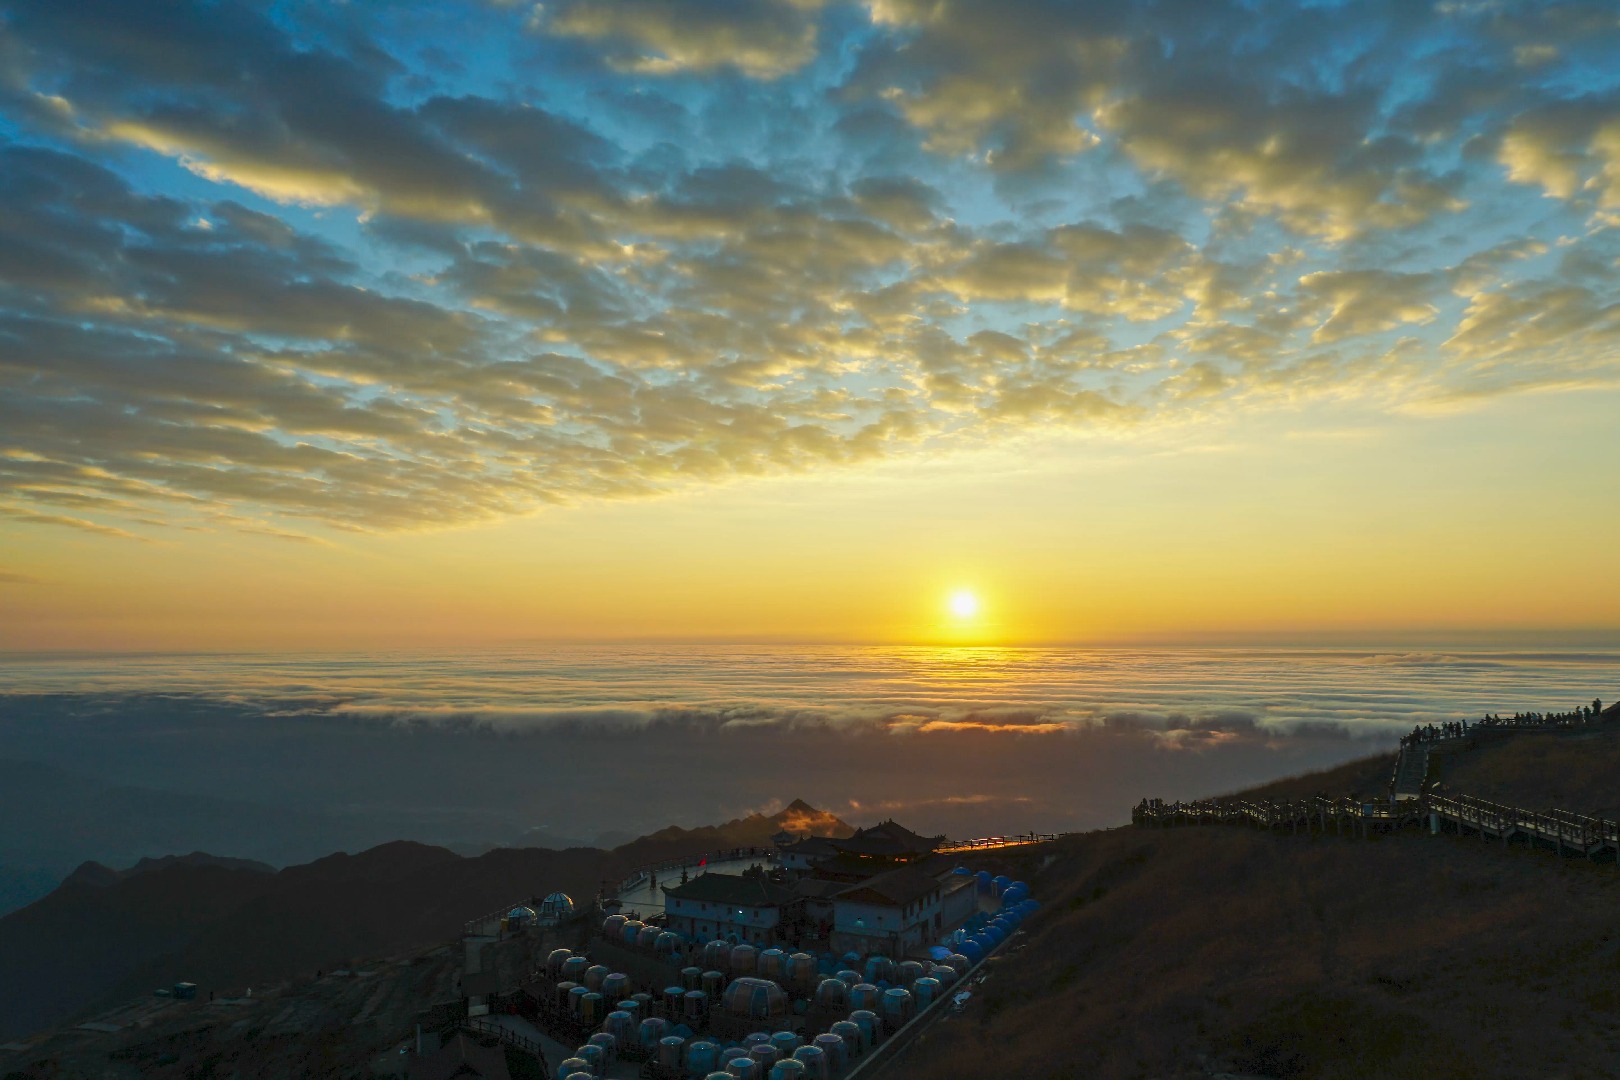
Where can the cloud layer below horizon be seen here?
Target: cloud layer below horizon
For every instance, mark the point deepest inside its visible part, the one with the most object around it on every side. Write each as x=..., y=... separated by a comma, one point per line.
x=363, y=267
x=948, y=739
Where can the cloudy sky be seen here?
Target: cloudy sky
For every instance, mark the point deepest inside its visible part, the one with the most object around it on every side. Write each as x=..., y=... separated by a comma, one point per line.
x=333, y=323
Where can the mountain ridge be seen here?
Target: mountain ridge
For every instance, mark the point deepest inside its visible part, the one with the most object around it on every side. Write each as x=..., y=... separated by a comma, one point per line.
x=101, y=875
x=106, y=935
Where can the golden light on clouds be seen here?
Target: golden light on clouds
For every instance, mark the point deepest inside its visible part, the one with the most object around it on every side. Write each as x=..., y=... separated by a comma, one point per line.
x=650, y=354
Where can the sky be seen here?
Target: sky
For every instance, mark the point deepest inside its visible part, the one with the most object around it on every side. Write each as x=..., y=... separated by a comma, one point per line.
x=329, y=325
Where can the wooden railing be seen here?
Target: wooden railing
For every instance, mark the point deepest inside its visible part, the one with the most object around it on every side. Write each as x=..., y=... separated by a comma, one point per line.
x=1315, y=812
x=484, y=923
x=997, y=841
x=484, y=1026
x=1563, y=829
x=1554, y=826
x=1512, y=725
x=1588, y=835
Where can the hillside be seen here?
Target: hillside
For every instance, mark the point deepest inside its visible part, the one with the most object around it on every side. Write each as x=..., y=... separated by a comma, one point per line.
x=104, y=936
x=1194, y=951
x=1575, y=771
x=87, y=945
x=1364, y=778
x=340, y=1024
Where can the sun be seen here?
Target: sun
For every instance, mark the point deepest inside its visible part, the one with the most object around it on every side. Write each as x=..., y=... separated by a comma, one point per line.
x=963, y=604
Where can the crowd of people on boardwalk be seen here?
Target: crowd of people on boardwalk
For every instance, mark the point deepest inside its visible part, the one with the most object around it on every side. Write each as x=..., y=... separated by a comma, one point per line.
x=1451, y=729
x=1456, y=729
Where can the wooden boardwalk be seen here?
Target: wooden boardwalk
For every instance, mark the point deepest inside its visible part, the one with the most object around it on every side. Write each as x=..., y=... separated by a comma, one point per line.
x=1343, y=817
x=1566, y=832
x=1411, y=770
x=1410, y=802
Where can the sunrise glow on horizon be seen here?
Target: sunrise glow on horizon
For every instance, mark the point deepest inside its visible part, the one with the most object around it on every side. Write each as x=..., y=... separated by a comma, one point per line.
x=886, y=322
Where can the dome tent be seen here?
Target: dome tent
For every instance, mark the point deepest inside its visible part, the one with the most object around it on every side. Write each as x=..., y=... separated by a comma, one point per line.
x=754, y=998
x=556, y=908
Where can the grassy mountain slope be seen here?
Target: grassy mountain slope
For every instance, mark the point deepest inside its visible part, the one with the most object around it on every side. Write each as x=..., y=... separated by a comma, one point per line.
x=1189, y=952
x=1571, y=771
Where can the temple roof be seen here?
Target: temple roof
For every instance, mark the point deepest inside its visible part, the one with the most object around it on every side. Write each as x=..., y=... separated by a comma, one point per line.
x=818, y=888
x=896, y=888
x=888, y=838
x=732, y=889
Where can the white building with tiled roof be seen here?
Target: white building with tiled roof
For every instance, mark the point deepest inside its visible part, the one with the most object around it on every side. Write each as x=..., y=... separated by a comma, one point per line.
x=727, y=906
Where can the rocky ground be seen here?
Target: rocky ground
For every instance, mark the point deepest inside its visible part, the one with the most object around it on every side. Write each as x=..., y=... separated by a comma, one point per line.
x=348, y=1023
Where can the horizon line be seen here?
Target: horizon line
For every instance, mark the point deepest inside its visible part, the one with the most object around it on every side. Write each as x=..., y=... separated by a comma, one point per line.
x=1539, y=637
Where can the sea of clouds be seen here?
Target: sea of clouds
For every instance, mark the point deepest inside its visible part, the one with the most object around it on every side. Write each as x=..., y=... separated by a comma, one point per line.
x=475, y=747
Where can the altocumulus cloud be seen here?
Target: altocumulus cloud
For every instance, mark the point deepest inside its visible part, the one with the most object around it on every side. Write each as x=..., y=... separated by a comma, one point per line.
x=368, y=267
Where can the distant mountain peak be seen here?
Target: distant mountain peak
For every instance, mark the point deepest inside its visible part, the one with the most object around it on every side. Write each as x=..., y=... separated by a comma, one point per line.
x=93, y=874
x=101, y=876
x=755, y=830
x=799, y=816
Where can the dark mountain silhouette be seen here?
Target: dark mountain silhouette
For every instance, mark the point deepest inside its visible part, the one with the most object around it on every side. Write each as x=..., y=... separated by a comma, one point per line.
x=755, y=830
x=543, y=837
x=72, y=818
x=94, y=937
x=94, y=873
x=105, y=935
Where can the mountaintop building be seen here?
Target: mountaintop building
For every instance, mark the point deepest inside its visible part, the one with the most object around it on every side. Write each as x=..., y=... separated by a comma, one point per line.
x=885, y=846
x=889, y=840
x=900, y=911
x=743, y=908
x=865, y=893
